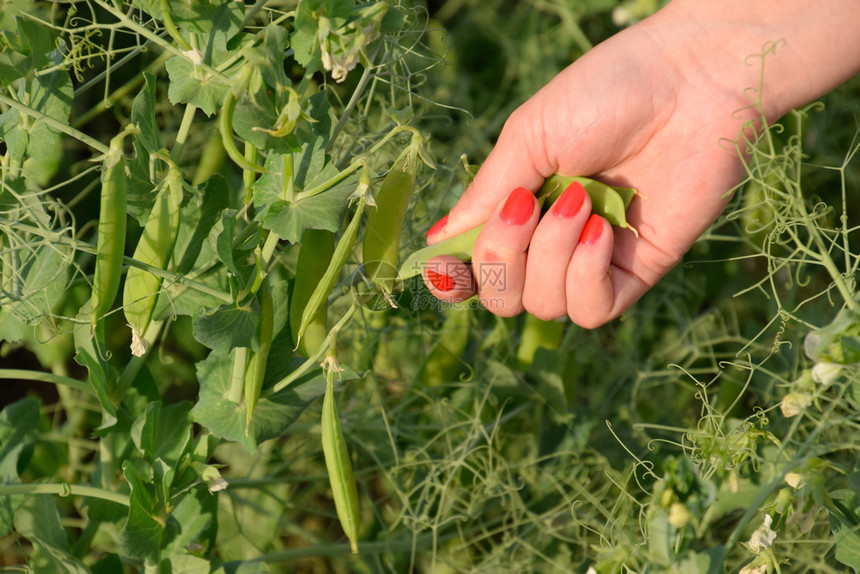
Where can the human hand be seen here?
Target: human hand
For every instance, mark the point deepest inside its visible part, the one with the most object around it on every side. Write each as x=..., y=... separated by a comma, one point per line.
x=628, y=114
x=655, y=107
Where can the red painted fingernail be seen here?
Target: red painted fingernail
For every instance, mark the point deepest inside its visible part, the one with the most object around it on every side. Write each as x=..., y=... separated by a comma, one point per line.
x=593, y=229
x=570, y=201
x=440, y=281
x=519, y=207
x=437, y=227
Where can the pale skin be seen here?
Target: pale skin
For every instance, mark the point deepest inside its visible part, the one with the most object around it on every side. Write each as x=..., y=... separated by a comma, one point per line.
x=655, y=107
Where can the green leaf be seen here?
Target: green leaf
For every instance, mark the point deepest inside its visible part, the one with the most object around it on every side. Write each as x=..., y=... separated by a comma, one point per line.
x=256, y=114
x=190, y=84
x=213, y=199
x=163, y=432
x=186, y=564
x=195, y=517
x=38, y=284
x=19, y=425
x=843, y=516
x=142, y=190
x=228, y=326
x=143, y=115
x=273, y=414
x=244, y=568
x=39, y=521
x=49, y=93
x=143, y=534
x=90, y=352
x=289, y=220
x=222, y=236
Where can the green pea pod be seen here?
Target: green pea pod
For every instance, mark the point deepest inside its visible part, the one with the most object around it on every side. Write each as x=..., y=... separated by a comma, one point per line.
x=445, y=360
x=316, y=252
x=321, y=292
x=537, y=334
x=257, y=366
x=154, y=248
x=606, y=201
x=111, y=233
x=339, y=465
x=381, y=247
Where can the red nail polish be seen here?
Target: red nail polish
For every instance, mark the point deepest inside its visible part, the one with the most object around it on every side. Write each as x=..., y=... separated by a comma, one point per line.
x=592, y=231
x=571, y=201
x=437, y=227
x=440, y=281
x=519, y=207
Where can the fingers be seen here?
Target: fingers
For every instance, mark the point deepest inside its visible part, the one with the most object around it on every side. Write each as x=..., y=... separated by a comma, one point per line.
x=550, y=250
x=517, y=160
x=449, y=279
x=500, y=253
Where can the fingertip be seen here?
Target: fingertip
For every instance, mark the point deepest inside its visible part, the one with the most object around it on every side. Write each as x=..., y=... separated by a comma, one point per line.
x=449, y=279
x=434, y=234
x=593, y=230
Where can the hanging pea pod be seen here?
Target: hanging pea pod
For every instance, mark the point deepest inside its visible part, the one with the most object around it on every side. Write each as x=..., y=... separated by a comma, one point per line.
x=111, y=231
x=381, y=246
x=314, y=257
x=607, y=201
x=537, y=334
x=327, y=282
x=154, y=248
x=257, y=366
x=337, y=460
x=445, y=361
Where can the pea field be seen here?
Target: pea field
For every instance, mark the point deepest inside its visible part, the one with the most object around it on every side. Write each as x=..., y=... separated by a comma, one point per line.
x=217, y=353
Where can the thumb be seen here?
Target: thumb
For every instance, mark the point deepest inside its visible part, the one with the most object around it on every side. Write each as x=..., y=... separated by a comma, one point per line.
x=512, y=163
x=555, y=130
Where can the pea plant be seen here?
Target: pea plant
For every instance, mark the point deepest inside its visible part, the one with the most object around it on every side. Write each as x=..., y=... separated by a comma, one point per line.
x=218, y=356
x=223, y=166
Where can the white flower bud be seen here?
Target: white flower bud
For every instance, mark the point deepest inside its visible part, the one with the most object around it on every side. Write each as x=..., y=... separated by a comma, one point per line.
x=763, y=537
x=794, y=403
x=826, y=373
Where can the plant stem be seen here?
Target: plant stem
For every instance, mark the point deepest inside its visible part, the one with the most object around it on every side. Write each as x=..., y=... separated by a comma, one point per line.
x=63, y=489
x=26, y=375
x=171, y=27
x=79, y=245
x=356, y=94
x=237, y=377
x=182, y=134
x=56, y=124
x=315, y=358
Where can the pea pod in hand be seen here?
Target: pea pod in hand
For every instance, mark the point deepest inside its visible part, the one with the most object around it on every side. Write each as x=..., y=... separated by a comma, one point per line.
x=609, y=202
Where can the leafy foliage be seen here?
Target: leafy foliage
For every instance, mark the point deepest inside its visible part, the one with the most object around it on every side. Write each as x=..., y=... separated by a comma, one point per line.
x=711, y=428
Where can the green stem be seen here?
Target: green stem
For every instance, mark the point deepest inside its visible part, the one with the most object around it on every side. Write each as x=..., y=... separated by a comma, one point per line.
x=182, y=134
x=248, y=176
x=63, y=489
x=155, y=38
x=315, y=358
x=56, y=124
x=237, y=377
x=171, y=27
x=359, y=89
x=25, y=375
x=89, y=248
x=361, y=162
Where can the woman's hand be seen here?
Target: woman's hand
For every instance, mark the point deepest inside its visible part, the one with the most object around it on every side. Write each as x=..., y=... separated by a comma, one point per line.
x=656, y=107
